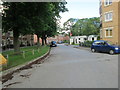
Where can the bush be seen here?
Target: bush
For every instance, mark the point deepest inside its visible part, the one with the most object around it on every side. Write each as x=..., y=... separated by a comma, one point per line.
x=22, y=45
x=3, y=47
x=7, y=47
x=98, y=38
x=73, y=43
x=86, y=43
x=66, y=41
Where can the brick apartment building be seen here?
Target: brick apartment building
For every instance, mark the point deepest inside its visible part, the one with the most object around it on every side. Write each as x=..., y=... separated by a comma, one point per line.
x=56, y=38
x=110, y=20
x=7, y=39
x=28, y=40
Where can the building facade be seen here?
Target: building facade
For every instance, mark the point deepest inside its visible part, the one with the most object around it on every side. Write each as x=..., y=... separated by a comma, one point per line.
x=57, y=38
x=110, y=21
x=78, y=39
x=7, y=40
x=82, y=39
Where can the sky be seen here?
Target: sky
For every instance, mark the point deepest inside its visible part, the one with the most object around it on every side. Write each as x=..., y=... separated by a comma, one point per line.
x=80, y=9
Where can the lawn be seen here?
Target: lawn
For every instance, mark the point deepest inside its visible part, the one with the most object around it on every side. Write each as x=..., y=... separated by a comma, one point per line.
x=29, y=54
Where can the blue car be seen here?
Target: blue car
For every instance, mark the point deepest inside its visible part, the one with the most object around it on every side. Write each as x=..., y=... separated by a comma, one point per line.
x=53, y=44
x=104, y=46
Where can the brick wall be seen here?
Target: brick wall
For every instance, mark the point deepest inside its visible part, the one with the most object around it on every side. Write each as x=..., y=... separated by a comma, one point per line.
x=49, y=39
x=115, y=23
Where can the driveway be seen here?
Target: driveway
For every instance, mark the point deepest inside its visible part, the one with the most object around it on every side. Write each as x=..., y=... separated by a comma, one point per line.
x=68, y=67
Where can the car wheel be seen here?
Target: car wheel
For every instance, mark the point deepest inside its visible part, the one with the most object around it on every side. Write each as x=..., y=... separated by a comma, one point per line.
x=111, y=52
x=93, y=50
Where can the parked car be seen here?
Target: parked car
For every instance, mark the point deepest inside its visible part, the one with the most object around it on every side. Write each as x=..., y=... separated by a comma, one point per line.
x=60, y=42
x=104, y=46
x=53, y=44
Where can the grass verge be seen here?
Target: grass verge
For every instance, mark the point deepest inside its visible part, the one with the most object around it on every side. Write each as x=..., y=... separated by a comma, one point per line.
x=29, y=54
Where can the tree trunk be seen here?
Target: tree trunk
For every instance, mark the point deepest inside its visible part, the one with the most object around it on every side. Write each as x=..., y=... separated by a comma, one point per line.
x=42, y=41
x=5, y=41
x=16, y=41
x=45, y=40
x=38, y=42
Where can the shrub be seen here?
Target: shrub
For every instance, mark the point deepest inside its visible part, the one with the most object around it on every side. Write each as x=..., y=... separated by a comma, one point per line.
x=86, y=43
x=66, y=41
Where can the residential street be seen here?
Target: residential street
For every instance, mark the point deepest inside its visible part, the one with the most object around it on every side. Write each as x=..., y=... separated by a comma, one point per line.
x=68, y=67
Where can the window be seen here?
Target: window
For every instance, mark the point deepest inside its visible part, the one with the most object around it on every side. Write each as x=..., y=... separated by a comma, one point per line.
x=108, y=32
x=103, y=43
x=85, y=39
x=108, y=16
x=100, y=3
x=99, y=43
x=76, y=40
x=96, y=43
x=107, y=2
x=110, y=2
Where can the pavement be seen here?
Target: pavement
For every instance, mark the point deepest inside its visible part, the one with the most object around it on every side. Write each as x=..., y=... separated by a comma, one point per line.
x=69, y=67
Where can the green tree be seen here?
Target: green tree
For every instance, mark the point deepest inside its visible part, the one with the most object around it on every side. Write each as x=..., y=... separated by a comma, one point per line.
x=45, y=24
x=17, y=21
x=32, y=18
x=87, y=26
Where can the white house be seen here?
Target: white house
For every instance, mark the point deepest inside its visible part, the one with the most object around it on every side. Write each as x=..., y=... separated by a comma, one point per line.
x=92, y=37
x=82, y=39
x=78, y=39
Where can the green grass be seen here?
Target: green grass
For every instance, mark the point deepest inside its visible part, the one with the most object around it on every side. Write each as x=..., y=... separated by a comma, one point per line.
x=15, y=60
x=75, y=44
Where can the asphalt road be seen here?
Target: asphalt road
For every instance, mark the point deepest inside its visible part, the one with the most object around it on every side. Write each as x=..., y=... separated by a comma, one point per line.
x=68, y=67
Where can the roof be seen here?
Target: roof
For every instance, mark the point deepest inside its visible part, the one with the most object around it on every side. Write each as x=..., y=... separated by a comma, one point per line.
x=93, y=36
x=78, y=36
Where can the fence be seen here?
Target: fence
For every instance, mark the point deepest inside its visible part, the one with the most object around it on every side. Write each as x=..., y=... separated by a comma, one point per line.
x=11, y=58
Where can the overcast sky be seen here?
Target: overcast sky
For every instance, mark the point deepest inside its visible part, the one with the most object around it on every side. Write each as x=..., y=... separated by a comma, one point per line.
x=80, y=9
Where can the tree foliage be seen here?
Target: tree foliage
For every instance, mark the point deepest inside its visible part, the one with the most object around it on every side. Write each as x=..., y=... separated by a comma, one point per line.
x=87, y=26
x=32, y=18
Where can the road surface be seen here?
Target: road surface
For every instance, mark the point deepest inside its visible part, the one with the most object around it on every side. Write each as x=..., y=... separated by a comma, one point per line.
x=68, y=67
